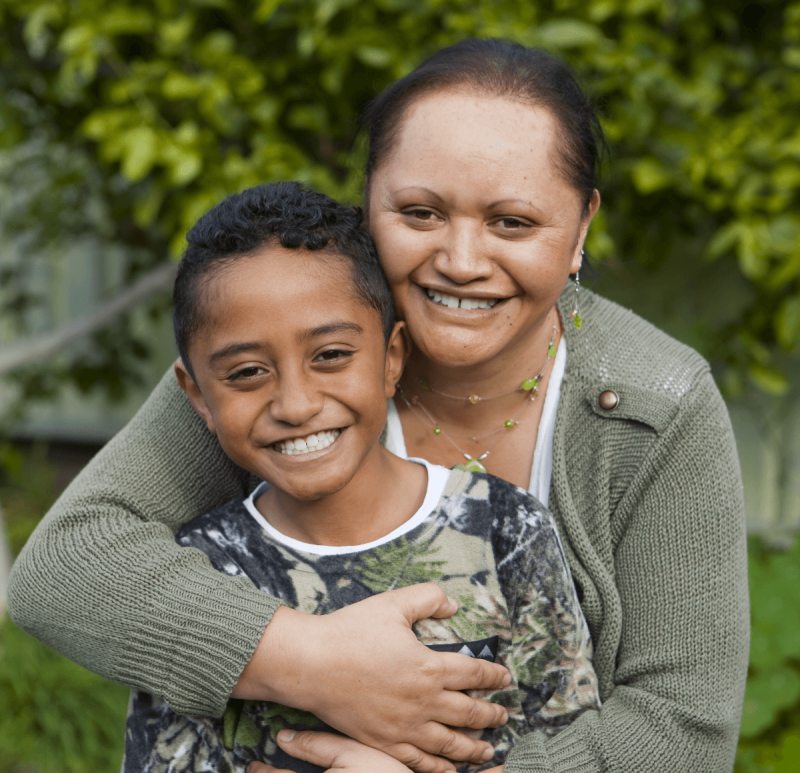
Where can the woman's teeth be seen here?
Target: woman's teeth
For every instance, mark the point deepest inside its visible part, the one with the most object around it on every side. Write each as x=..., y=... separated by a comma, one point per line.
x=305, y=445
x=460, y=303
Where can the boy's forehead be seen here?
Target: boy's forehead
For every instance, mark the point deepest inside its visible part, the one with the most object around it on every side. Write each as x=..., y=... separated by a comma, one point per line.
x=280, y=272
x=275, y=290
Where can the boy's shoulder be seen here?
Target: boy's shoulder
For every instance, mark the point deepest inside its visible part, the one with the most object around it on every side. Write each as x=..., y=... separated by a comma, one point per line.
x=486, y=494
x=235, y=544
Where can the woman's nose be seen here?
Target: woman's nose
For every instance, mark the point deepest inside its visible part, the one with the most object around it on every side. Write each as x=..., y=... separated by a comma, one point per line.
x=296, y=400
x=462, y=254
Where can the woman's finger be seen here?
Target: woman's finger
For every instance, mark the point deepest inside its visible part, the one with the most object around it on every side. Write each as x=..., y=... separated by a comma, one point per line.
x=462, y=673
x=448, y=743
x=419, y=602
x=463, y=711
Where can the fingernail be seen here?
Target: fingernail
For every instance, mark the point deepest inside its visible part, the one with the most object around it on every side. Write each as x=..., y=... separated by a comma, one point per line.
x=487, y=755
x=287, y=736
x=506, y=680
x=452, y=601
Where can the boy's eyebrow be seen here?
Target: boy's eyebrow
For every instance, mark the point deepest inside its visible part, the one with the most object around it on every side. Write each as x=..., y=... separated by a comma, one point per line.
x=231, y=349
x=248, y=346
x=330, y=329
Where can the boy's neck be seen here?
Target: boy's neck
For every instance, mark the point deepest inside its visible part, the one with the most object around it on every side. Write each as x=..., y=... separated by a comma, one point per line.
x=384, y=493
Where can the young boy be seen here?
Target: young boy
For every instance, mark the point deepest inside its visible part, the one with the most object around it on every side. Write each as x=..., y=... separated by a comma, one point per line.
x=289, y=352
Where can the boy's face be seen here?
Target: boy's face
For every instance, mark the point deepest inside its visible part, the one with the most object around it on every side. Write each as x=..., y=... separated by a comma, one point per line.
x=286, y=354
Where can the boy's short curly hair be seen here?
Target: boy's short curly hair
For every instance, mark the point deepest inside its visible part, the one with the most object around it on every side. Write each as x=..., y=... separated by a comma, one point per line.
x=288, y=214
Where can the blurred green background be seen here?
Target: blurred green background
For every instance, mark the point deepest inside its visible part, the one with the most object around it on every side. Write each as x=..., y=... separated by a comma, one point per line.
x=121, y=123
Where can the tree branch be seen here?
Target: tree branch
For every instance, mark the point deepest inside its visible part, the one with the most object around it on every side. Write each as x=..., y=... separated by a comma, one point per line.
x=33, y=350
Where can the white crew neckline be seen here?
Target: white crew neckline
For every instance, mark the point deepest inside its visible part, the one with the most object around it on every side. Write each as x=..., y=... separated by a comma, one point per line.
x=437, y=479
x=542, y=470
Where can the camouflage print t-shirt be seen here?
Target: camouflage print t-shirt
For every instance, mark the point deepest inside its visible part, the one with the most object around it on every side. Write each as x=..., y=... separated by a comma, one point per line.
x=487, y=543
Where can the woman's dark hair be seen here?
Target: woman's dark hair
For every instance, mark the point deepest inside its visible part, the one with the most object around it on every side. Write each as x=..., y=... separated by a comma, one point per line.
x=497, y=68
x=288, y=214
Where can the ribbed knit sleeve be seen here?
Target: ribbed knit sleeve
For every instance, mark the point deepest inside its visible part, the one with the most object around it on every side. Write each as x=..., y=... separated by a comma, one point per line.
x=103, y=581
x=665, y=583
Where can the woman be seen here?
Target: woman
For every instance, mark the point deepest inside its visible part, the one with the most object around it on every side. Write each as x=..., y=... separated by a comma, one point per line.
x=480, y=191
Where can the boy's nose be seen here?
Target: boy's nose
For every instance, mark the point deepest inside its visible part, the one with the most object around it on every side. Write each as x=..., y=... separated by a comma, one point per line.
x=295, y=402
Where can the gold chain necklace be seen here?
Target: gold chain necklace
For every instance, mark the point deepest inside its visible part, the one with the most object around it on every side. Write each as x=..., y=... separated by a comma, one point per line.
x=530, y=386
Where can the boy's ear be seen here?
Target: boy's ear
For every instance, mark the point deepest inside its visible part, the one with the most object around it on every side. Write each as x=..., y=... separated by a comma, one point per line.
x=188, y=385
x=397, y=351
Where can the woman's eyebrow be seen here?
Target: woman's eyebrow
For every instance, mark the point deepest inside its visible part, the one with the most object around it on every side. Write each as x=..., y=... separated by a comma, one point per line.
x=504, y=202
x=418, y=189
x=331, y=328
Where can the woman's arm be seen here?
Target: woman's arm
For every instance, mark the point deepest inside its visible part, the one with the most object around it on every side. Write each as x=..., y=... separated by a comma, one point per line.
x=103, y=582
x=677, y=556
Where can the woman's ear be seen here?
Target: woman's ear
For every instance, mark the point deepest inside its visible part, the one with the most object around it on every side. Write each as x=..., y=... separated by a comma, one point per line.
x=591, y=211
x=397, y=351
x=189, y=386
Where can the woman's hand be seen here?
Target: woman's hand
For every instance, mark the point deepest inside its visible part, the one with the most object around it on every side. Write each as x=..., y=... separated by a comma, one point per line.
x=335, y=753
x=362, y=670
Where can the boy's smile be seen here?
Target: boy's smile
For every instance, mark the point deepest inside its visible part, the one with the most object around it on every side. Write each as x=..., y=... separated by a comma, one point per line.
x=292, y=373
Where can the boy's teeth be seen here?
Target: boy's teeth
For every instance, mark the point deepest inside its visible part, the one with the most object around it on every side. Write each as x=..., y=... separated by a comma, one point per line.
x=463, y=303
x=304, y=445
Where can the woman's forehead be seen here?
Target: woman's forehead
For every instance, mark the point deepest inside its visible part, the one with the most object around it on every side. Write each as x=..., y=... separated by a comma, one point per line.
x=463, y=138
x=438, y=111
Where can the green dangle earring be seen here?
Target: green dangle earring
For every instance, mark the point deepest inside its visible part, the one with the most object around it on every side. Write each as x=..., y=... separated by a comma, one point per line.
x=577, y=319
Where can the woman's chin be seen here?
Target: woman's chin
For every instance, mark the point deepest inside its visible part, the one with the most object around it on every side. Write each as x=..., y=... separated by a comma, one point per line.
x=456, y=351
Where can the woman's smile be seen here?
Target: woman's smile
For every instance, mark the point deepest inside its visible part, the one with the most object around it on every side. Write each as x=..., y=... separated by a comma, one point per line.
x=454, y=302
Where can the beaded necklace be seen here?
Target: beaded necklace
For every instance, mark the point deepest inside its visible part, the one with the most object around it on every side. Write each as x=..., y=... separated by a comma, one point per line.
x=530, y=387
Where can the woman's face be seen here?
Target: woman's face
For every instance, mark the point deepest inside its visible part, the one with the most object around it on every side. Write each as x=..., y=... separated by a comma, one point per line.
x=476, y=228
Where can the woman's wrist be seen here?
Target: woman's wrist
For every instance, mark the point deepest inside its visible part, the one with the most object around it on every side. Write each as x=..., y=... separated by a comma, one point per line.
x=275, y=671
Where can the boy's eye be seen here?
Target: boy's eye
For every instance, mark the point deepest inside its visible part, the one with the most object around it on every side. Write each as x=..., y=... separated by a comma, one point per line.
x=246, y=373
x=332, y=355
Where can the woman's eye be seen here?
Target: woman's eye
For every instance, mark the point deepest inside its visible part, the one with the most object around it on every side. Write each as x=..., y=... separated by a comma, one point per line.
x=424, y=215
x=512, y=223
x=332, y=355
x=246, y=373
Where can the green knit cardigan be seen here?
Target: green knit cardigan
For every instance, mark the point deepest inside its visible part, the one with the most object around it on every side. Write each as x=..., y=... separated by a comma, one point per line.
x=647, y=496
